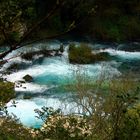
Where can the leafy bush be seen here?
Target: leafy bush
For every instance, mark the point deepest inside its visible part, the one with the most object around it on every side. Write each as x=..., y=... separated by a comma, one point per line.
x=131, y=127
x=10, y=129
x=66, y=127
x=60, y=126
x=108, y=110
x=6, y=91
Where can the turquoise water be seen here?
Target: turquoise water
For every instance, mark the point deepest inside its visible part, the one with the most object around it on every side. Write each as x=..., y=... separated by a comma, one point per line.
x=52, y=74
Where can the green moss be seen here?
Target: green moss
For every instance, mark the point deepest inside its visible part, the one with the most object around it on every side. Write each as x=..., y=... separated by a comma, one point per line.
x=83, y=54
x=6, y=91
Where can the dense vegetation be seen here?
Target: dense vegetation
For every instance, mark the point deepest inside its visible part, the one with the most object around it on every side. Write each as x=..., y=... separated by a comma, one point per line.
x=111, y=111
x=107, y=20
x=6, y=92
x=114, y=20
x=10, y=128
x=112, y=108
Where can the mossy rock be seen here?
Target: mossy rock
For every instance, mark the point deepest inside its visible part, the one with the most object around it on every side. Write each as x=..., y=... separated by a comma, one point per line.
x=7, y=91
x=83, y=55
x=28, y=78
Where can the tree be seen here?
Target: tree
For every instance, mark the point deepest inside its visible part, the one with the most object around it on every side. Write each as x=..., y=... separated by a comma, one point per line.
x=14, y=27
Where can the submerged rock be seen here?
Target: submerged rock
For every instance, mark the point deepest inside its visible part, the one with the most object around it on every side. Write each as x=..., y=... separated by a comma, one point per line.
x=28, y=78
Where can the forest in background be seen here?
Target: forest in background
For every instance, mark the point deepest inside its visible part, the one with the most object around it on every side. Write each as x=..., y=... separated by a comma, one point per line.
x=110, y=20
x=117, y=115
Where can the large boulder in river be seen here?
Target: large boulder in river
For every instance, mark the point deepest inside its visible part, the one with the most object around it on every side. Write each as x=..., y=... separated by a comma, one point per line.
x=28, y=78
x=83, y=54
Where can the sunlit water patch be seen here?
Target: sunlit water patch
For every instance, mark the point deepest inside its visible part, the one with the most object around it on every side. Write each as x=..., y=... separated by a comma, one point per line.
x=25, y=109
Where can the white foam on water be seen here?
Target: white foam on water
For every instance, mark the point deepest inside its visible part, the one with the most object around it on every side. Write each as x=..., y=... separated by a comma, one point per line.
x=58, y=67
x=24, y=109
x=109, y=70
x=33, y=70
x=122, y=54
x=16, y=60
x=31, y=87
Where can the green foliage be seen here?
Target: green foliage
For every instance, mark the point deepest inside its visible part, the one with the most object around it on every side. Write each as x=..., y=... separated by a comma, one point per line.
x=131, y=127
x=106, y=25
x=113, y=113
x=66, y=127
x=108, y=108
x=10, y=129
x=46, y=112
x=58, y=126
x=55, y=23
x=30, y=12
x=112, y=116
x=6, y=91
x=14, y=36
x=114, y=33
x=13, y=16
x=112, y=20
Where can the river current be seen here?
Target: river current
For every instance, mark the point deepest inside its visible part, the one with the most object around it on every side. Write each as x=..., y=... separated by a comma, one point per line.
x=51, y=74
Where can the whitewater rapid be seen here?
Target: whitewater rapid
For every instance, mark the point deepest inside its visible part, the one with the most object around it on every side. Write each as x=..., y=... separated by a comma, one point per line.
x=52, y=72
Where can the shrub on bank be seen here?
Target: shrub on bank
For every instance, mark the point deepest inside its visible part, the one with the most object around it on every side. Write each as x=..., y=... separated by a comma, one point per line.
x=67, y=127
x=6, y=91
x=10, y=129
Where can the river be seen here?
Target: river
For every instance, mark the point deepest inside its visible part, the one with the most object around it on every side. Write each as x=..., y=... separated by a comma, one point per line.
x=51, y=74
